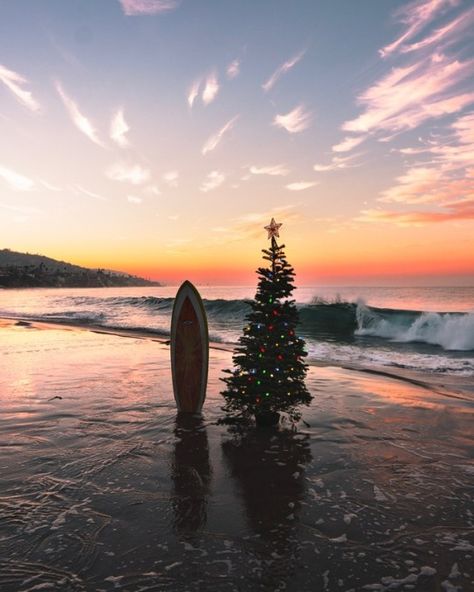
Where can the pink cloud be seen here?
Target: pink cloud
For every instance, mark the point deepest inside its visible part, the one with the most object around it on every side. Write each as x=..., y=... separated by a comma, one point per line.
x=15, y=82
x=295, y=121
x=461, y=211
x=82, y=123
x=282, y=69
x=148, y=7
x=415, y=16
x=213, y=141
x=211, y=89
x=348, y=143
x=443, y=184
x=410, y=95
x=447, y=34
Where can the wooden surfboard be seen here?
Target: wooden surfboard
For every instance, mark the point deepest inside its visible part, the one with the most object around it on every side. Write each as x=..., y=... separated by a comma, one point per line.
x=189, y=349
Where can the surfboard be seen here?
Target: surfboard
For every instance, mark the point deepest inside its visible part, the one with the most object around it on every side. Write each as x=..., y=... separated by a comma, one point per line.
x=189, y=349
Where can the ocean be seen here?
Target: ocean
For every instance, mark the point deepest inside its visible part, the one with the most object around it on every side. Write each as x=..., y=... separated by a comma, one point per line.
x=422, y=329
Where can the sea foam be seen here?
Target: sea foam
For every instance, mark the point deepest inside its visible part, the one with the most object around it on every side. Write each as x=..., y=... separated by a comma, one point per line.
x=451, y=331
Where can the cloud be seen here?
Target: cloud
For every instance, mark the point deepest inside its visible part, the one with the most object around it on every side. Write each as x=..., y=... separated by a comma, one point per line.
x=49, y=186
x=211, y=89
x=415, y=186
x=118, y=129
x=410, y=95
x=446, y=33
x=251, y=225
x=282, y=69
x=348, y=143
x=80, y=189
x=213, y=141
x=273, y=170
x=14, y=82
x=443, y=184
x=337, y=162
x=301, y=185
x=134, y=199
x=79, y=120
x=134, y=174
x=193, y=92
x=295, y=121
x=457, y=212
x=233, y=69
x=213, y=181
x=148, y=7
x=415, y=16
x=15, y=180
x=171, y=178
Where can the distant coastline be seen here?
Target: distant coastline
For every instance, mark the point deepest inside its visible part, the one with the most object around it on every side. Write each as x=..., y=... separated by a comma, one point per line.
x=23, y=270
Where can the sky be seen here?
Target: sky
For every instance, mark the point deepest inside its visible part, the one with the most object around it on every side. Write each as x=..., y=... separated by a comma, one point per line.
x=159, y=137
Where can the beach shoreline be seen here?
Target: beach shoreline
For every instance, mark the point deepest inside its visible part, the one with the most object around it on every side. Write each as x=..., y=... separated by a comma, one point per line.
x=105, y=487
x=449, y=385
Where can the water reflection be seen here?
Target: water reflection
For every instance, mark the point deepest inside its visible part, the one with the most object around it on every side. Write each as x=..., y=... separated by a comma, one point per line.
x=269, y=468
x=191, y=474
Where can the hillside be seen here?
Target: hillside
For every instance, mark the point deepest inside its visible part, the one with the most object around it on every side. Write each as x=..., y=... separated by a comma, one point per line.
x=23, y=270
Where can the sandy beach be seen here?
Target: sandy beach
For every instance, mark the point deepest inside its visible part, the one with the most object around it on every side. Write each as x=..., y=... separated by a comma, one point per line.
x=104, y=488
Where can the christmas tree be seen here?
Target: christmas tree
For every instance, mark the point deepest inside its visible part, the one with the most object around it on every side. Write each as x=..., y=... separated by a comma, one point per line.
x=269, y=370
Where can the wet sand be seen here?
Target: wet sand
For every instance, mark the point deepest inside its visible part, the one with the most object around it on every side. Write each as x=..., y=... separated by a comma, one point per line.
x=103, y=487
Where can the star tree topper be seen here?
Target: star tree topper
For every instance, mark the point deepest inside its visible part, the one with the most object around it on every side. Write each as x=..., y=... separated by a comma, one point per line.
x=272, y=229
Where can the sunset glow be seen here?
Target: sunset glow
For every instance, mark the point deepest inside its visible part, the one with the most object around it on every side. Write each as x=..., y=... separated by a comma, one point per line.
x=159, y=137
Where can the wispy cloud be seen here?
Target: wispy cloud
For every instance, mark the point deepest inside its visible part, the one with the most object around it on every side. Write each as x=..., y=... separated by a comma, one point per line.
x=415, y=16
x=233, y=69
x=15, y=180
x=79, y=120
x=193, y=92
x=301, y=185
x=213, y=180
x=148, y=7
x=171, y=178
x=414, y=186
x=348, y=144
x=457, y=211
x=119, y=128
x=213, y=141
x=49, y=186
x=282, y=69
x=84, y=191
x=443, y=184
x=338, y=162
x=274, y=170
x=410, y=95
x=127, y=173
x=14, y=82
x=211, y=89
x=295, y=121
x=446, y=34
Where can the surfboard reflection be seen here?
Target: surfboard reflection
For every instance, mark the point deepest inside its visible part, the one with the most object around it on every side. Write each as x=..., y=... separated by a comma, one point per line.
x=268, y=466
x=191, y=474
